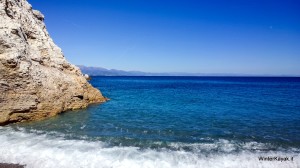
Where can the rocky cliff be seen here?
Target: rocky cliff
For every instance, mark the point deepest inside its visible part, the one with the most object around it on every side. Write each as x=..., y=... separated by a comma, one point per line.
x=36, y=81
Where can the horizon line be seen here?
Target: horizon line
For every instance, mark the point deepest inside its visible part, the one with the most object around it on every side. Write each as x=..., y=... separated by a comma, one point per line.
x=187, y=74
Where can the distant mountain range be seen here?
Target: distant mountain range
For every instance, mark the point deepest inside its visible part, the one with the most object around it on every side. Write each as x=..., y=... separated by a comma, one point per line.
x=99, y=71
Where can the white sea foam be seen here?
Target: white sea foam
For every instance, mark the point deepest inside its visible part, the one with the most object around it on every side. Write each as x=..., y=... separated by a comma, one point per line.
x=41, y=150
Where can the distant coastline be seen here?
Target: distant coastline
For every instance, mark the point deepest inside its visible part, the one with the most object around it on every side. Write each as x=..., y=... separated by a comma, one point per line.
x=99, y=71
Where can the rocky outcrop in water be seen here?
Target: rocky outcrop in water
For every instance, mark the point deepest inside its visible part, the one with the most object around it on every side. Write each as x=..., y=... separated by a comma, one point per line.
x=36, y=81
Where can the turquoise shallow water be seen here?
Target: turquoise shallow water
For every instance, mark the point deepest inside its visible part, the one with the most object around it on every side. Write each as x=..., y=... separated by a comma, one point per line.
x=203, y=117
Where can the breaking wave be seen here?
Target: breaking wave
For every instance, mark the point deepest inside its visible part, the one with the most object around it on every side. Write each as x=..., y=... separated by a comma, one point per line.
x=37, y=150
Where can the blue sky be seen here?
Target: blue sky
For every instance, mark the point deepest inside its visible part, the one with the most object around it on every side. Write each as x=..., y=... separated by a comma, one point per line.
x=212, y=36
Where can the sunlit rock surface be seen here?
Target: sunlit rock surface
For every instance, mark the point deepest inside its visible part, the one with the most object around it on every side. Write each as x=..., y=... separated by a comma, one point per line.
x=36, y=81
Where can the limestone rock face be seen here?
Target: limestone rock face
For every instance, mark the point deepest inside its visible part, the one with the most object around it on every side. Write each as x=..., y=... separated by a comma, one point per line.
x=36, y=81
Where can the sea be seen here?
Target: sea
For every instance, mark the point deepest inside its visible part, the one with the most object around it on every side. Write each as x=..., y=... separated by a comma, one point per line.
x=168, y=122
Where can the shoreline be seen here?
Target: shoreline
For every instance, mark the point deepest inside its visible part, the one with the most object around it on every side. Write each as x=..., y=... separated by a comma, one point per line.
x=11, y=165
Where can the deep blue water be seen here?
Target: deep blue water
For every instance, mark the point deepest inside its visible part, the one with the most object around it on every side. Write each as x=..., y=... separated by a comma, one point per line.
x=190, y=110
x=199, y=114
